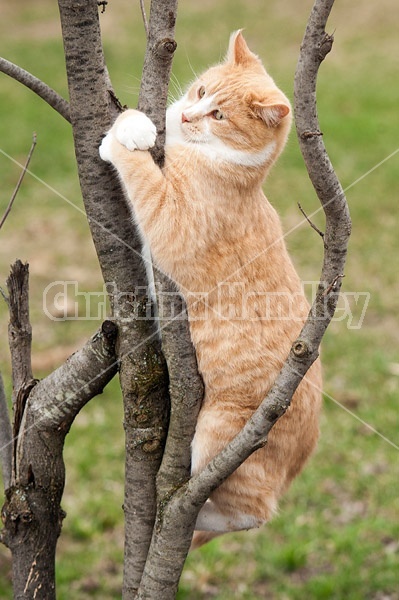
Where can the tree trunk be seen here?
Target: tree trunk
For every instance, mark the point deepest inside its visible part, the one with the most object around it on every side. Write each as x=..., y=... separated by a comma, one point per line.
x=43, y=414
x=32, y=514
x=176, y=515
x=143, y=372
x=159, y=518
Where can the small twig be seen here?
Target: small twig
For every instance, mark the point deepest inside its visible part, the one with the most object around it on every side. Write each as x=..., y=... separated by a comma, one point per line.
x=145, y=21
x=313, y=226
x=15, y=192
x=5, y=438
x=103, y=4
x=332, y=285
x=36, y=85
x=5, y=297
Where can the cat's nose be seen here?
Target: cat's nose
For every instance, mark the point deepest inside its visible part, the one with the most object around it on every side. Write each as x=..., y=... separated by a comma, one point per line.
x=184, y=118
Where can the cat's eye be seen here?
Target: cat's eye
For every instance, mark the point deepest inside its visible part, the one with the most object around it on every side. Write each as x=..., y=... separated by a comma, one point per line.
x=201, y=92
x=218, y=115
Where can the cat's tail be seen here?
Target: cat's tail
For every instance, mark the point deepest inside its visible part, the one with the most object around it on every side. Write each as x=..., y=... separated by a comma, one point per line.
x=202, y=537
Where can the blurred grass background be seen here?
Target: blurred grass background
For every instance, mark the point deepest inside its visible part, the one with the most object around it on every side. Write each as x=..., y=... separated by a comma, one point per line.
x=337, y=532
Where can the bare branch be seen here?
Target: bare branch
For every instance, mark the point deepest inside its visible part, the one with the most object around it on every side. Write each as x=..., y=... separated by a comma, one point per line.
x=144, y=15
x=57, y=399
x=160, y=576
x=5, y=438
x=157, y=66
x=313, y=226
x=185, y=384
x=141, y=509
x=186, y=392
x=15, y=192
x=315, y=46
x=143, y=372
x=36, y=85
x=304, y=351
x=32, y=516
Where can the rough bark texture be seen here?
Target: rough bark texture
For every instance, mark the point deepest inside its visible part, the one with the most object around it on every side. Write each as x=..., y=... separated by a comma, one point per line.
x=144, y=380
x=186, y=392
x=161, y=575
x=161, y=46
x=185, y=384
x=19, y=327
x=44, y=411
x=143, y=372
x=43, y=414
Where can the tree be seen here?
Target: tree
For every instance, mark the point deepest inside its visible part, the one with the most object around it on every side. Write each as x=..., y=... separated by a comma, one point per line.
x=161, y=387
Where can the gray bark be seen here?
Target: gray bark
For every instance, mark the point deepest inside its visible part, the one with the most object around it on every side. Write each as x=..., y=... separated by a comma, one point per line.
x=43, y=414
x=185, y=384
x=92, y=108
x=19, y=327
x=143, y=371
x=161, y=502
x=176, y=516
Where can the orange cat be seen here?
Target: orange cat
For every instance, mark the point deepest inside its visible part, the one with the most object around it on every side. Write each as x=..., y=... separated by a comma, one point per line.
x=211, y=229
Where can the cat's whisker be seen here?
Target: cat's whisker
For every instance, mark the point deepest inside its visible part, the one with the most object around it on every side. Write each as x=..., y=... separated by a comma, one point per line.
x=171, y=98
x=175, y=82
x=191, y=67
x=129, y=89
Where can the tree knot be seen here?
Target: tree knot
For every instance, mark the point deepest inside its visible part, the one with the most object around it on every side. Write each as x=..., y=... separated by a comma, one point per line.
x=307, y=135
x=165, y=48
x=300, y=349
x=109, y=330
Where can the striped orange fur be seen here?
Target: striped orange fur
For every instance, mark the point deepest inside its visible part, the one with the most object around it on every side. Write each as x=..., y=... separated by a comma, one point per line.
x=211, y=229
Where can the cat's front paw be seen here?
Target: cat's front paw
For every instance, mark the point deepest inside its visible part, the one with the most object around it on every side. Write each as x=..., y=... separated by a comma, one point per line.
x=134, y=130
x=105, y=148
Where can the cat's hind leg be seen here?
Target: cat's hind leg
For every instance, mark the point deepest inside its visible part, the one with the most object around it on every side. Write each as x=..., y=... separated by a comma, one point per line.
x=248, y=498
x=211, y=523
x=211, y=518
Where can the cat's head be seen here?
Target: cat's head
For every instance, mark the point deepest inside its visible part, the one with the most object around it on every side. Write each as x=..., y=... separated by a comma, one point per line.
x=233, y=112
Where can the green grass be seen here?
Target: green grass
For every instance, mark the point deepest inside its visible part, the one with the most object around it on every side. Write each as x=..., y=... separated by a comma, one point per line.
x=337, y=532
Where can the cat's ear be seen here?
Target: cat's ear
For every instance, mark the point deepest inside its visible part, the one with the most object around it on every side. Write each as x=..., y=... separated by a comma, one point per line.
x=271, y=113
x=238, y=52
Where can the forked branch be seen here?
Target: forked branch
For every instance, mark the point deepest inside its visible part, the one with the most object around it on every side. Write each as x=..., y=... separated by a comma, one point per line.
x=161, y=577
x=305, y=349
x=338, y=225
x=185, y=383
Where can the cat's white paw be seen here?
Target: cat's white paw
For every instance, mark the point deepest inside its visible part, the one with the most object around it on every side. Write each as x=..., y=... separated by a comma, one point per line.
x=135, y=130
x=105, y=148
